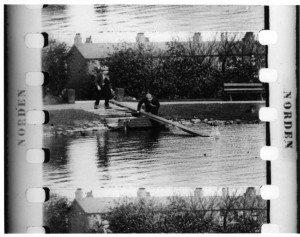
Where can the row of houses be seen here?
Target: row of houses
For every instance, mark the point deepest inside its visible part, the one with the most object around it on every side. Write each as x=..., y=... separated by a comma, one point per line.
x=86, y=55
x=87, y=212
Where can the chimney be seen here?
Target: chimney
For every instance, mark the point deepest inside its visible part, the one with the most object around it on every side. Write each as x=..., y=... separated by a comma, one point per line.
x=249, y=37
x=78, y=194
x=88, y=40
x=141, y=193
x=250, y=192
x=89, y=194
x=141, y=39
x=224, y=192
x=197, y=37
x=198, y=193
x=223, y=37
x=77, y=39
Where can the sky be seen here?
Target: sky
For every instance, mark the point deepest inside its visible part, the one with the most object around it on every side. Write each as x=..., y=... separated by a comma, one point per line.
x=154, y=192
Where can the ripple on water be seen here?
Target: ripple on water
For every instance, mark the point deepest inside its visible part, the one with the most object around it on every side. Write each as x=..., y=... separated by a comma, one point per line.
x=70, y=19
x=139, y=158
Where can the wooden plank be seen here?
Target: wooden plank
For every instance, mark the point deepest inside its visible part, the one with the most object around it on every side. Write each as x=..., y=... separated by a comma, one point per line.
x=162, y=120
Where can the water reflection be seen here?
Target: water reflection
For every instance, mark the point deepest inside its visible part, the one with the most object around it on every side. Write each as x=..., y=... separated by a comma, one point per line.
x=102, y=151
x=155, y=158
x=88, y=19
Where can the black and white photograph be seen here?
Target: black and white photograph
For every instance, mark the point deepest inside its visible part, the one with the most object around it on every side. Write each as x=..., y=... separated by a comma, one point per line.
x=153, y=119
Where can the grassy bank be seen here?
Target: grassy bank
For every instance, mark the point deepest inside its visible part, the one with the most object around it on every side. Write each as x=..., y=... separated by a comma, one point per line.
x=247, y=111
x=71, y=117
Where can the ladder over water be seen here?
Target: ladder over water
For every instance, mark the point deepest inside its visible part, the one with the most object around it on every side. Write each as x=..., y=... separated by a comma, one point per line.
x=162, y=120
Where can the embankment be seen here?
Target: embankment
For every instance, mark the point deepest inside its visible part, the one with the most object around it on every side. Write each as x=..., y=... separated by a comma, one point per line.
x=223, y=110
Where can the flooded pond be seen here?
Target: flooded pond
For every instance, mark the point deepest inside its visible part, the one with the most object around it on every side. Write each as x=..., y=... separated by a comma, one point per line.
x=114, y=23
x=157, y=159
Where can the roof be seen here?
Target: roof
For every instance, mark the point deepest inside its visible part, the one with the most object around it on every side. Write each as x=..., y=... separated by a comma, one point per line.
x=93, y=51
x=96, y=205
x=102, y=50
x=91, y=205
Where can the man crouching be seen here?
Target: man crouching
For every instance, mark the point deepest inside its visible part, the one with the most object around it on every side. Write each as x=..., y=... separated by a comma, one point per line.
x=151, y=104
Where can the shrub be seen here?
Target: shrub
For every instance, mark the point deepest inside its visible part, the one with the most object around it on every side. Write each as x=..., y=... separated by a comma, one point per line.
x=54, y=62
x=186, y=70
x=56, y=214
x=230, y=214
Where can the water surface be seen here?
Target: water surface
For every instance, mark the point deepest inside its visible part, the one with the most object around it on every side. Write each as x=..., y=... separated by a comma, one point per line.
x=64, y=21
x=157, y=159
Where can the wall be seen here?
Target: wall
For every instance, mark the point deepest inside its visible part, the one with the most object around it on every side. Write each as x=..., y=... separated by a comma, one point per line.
x=78, y=219
x=80, y=80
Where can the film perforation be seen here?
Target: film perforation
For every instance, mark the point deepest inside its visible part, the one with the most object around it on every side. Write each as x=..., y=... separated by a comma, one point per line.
x=37, y=195
x=267, y=37
x=35, y=40
x=269, y=192
x=268, y=75
x=99, y=147
x=38, y=156
x=37, y=117
x=268, y=114
x=33, y=7
x=36, y=230
x=270, y=228
x=269, y=153
x=35, y=78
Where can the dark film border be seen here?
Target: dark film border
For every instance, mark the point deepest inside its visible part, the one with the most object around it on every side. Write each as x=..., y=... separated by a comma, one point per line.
x=268, y=134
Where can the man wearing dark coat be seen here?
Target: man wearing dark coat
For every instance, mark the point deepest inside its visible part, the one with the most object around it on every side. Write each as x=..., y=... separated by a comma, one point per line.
x=103, y=87
x=151, y=104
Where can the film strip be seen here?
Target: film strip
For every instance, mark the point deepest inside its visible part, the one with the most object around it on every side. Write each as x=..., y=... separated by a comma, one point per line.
x=279, y=115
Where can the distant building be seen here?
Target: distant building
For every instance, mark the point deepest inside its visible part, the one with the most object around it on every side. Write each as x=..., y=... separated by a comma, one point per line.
x=85, y=216
x=85, y=56
x=88, y=213
x=141, y=38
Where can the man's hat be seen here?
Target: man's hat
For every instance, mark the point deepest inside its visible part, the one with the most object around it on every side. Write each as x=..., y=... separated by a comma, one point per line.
x=149, y=96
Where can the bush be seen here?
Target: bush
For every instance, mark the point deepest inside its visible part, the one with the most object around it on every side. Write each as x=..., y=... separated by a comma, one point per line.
x=56, y=214
x=230, y=214
x=186, y=70
x=54, y=62
x=171, y=74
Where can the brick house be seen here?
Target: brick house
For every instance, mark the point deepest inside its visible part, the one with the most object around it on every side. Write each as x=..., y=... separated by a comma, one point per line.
x=87, y=213
x=85, y=56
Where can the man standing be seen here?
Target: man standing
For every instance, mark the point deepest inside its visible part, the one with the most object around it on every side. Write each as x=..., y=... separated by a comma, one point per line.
x=103, y=86
x=151, y=104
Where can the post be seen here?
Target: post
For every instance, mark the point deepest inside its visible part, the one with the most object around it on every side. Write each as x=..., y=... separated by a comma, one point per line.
x=71, y=96
x=120, y=93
